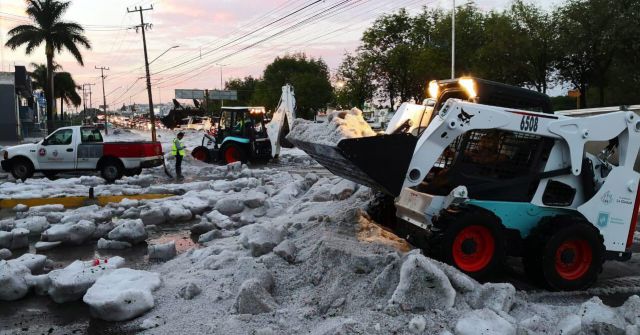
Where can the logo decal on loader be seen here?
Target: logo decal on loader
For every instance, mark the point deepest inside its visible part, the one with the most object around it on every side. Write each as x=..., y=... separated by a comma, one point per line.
x=465, y=117
x=603, y=219
x=607, y=198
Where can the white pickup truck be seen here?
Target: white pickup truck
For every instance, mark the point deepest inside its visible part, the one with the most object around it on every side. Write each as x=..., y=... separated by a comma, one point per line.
x=80, y=148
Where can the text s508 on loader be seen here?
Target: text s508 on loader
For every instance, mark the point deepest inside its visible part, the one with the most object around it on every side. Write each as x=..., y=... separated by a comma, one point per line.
x=474, y=183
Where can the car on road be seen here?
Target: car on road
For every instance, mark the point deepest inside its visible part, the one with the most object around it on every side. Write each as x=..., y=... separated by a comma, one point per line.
x=80, y=148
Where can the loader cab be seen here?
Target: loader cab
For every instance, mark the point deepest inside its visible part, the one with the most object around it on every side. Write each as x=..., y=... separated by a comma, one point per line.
x=488, y=92
x=493, y=164
x=241, y=135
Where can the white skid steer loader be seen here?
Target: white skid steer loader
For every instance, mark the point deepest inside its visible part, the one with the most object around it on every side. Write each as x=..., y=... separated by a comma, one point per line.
x=482, y=182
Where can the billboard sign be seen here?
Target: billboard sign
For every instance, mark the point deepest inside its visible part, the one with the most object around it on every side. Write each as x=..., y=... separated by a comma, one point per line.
x=200, y=94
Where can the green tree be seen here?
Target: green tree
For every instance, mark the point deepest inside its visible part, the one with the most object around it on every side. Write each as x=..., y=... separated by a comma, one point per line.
x=246, y=88
x=588, y=42
x=355, y=82
x=57, y=35
x=309, y=77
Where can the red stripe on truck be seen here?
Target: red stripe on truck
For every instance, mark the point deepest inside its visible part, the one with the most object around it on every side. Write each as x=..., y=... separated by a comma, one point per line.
x=634, y=220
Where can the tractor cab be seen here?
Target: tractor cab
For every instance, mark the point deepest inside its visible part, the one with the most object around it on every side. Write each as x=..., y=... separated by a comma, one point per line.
x=240, y=136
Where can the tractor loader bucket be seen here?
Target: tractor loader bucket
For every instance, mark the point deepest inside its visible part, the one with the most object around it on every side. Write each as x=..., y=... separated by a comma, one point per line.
x=380, y=162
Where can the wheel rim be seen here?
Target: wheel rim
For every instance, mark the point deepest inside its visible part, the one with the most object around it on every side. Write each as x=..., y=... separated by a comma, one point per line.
x=473, y=248
x=111, y=172
x=231, y=155
x=200, y=155
x=573, y=259
x=20, y=171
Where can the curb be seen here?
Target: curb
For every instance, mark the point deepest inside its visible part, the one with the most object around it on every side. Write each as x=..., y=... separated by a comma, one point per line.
x=72, y=202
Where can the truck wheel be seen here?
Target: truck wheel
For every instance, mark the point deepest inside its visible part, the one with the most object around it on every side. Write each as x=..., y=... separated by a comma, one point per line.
x=472, y=241
x=564, y=253
x=201, y=153
x=233, y=153
x=111, y=171
x=21, y=168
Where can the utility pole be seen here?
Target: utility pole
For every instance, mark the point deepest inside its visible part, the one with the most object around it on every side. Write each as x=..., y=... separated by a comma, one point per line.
x=143, y=27
x=221, y=85
x=104, y=100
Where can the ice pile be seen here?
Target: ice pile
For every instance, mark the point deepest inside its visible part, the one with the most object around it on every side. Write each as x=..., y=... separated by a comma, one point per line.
x=339, y=125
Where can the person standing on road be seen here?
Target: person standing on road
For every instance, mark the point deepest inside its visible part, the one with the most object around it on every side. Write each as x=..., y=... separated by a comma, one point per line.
x=177, y=150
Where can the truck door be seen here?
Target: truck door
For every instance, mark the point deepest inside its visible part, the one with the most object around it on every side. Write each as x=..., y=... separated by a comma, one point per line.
x=57, y=151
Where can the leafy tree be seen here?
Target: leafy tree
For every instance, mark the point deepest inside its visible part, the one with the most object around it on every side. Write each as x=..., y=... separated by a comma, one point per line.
x=355, y=82
x=309, y=77
x=48, y=28
x=245, y=87
x=536, y=43
x=587, y=36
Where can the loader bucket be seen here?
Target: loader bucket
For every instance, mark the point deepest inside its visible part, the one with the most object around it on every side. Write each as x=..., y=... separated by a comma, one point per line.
x=379, y=162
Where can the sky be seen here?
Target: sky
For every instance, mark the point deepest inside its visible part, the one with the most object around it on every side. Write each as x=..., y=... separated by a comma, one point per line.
x=208, y=35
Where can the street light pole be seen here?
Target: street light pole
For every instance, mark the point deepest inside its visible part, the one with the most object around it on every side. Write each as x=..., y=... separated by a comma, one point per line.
x=104, y=100
x=221, y=87
x=453, y=40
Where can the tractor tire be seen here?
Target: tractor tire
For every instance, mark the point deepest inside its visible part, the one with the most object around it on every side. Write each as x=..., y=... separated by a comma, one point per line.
x=51, y=175
x=111, y=170
x=472, y=240
x=564, y=253
x=232, y=153
x=201, y=153
x=21, y=168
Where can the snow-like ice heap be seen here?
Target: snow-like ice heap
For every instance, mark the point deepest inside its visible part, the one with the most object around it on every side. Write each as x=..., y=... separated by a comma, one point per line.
x=339, y=125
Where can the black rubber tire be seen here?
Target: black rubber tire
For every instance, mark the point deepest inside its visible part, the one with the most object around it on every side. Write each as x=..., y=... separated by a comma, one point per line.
x=451, y=223
x=240, y=150
x=201, y=153
x=543, y=242
x=111, y=170
x=51, y=175
x=21, y=168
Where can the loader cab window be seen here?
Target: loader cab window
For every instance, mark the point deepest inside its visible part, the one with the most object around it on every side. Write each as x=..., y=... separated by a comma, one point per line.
x=492, y=164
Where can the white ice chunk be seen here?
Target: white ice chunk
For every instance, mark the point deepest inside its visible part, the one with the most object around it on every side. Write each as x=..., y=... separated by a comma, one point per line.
x=34, y=224
x=122, y=294
x=13, y=284
x=162, y=251
x=131, y=231
x=485, y=322
x=71, y=282
x=108, y=244
x=70, y=232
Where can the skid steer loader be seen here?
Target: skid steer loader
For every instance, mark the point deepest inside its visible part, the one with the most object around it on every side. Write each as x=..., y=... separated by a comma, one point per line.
x=493, y=174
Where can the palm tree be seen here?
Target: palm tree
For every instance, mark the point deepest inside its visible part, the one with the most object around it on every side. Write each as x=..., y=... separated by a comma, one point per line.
x=56, y=36
x=64, y=86
x=65, y=89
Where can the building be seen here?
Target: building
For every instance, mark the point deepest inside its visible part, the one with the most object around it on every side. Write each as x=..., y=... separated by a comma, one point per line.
x=18, y=108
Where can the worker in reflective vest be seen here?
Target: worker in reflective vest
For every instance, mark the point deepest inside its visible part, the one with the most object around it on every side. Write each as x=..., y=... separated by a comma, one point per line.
x=177, y=150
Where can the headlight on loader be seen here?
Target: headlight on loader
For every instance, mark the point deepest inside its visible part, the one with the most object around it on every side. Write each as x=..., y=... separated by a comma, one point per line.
x=434, y=89
x=469, y=86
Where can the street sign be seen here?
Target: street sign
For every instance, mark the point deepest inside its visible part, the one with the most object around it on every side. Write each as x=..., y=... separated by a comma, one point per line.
x=223, y=95
x=103, y=107
x=200, y=94
x=189, y=94
x=573, y=93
